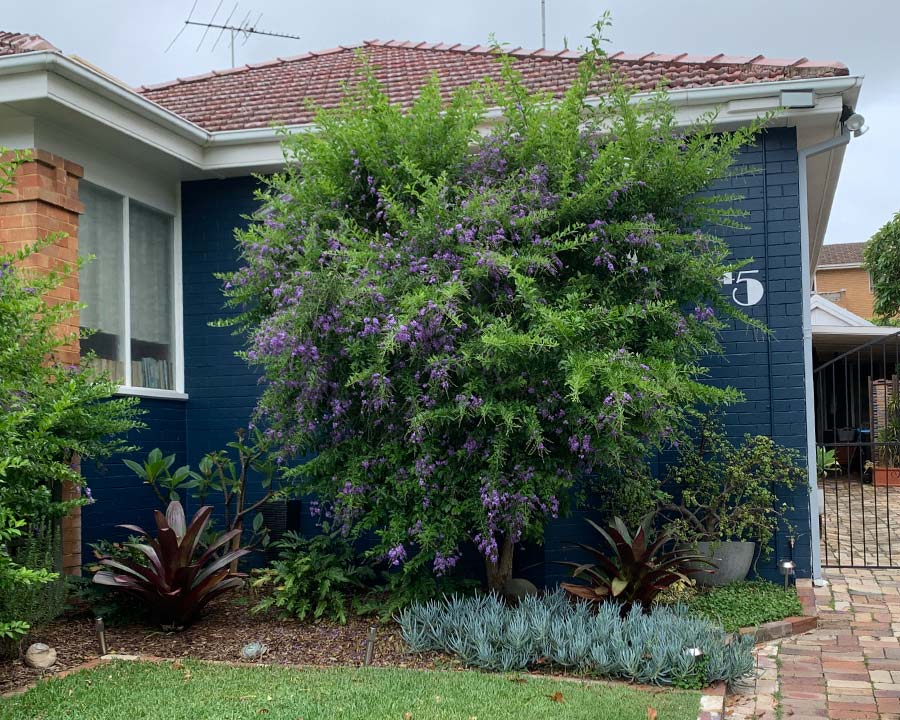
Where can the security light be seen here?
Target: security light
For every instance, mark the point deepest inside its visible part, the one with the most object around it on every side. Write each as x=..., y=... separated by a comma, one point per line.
x=856, y=124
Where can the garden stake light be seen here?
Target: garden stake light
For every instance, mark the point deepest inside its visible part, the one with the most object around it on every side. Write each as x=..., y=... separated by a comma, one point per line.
x=787, y=569
x=370, y=645
x=101, y=634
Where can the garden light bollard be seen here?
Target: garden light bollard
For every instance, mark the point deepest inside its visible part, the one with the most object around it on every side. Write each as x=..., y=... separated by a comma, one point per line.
x=787, y=569
x=370, y=645
x=101, y=634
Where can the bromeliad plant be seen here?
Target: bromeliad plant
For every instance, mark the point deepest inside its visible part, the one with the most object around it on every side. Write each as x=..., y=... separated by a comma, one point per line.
x=635, y=567
x=178, y=577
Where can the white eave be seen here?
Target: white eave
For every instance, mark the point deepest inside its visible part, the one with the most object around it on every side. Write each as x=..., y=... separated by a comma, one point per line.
x=29, y=80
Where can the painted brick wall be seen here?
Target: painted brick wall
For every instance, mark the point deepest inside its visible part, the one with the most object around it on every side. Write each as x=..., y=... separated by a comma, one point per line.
x=854, y=287
x=120, y=495
x=769, y=371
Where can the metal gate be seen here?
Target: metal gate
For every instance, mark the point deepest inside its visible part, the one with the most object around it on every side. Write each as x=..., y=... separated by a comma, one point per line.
x=857, y=404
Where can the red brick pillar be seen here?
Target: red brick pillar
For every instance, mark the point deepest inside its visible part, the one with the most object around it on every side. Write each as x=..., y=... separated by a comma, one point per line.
x=43, y=201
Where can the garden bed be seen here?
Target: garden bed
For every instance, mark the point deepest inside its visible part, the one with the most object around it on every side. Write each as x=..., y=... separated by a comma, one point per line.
x=199, y=691
x=220, y=635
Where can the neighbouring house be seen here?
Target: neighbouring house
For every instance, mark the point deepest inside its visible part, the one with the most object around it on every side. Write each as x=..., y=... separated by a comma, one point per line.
x=841, y=277
x=153, y=180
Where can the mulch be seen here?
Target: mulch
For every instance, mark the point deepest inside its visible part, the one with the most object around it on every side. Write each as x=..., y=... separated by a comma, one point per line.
x=219, y=635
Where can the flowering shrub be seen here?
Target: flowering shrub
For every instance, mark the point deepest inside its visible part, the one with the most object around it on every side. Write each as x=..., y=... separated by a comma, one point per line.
x=457, y=315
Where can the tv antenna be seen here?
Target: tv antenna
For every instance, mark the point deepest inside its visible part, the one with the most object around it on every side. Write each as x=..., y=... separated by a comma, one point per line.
x=244, y=29
x=543, y=24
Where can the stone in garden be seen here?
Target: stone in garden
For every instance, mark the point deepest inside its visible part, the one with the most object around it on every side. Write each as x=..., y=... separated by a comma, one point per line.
x=518, y=588
x=254, y=650
x=40, y=656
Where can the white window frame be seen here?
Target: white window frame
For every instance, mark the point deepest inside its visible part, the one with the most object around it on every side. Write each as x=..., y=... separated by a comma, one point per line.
x=126, y=388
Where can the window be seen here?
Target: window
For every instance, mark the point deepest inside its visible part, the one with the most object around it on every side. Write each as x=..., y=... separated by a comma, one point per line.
x=129, y=289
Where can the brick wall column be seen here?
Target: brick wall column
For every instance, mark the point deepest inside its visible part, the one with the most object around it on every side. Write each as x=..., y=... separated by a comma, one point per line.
x=44, y=200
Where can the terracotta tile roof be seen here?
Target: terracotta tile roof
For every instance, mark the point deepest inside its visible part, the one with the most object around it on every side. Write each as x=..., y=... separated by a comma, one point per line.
x=282, y=90
x=841, y=254
x=12, y=43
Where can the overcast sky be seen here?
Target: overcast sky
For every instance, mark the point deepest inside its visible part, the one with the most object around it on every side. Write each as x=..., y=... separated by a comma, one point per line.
x=128, y=38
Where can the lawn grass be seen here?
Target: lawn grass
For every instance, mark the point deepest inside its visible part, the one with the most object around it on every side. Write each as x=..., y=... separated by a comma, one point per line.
x=198, y=691
x=746, y=604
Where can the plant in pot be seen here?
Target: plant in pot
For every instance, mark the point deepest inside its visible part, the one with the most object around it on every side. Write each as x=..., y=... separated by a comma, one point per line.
x=887, y=468
x=728, y=500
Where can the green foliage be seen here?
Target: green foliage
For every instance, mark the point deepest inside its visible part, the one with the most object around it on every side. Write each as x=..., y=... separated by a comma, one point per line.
x=155, y=471
x=454, y=326
x=15, y=581
x=176, y=578
x=36, y=602
x=634, y=568
x=826, y=461
x=190, y=690
x=729, y=491
x=646, y=648
x=52, y=414
x=882, y=260
x=317, y=577
x=398, y=590
x=746, y=604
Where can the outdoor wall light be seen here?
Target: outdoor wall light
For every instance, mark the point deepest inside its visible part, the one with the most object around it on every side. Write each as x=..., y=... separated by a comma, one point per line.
x=856, y=124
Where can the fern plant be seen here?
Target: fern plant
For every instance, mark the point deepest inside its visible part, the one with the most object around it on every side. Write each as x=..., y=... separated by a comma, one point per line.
x=316, y=578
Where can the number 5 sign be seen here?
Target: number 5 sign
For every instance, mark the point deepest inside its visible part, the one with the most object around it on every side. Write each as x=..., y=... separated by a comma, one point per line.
x=753, y=288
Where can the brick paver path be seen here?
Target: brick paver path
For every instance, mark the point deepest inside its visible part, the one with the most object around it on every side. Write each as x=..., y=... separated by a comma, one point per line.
x=846, y=669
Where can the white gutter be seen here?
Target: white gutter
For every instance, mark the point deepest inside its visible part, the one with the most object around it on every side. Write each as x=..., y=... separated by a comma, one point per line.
x=802, y=156
x=840, y=266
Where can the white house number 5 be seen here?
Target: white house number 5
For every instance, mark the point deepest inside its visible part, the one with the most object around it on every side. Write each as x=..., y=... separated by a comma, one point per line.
x=753, y=288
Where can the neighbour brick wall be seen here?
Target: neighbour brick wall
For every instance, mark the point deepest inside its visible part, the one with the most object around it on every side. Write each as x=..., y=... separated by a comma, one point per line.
x=44, y=201
x=853, y=285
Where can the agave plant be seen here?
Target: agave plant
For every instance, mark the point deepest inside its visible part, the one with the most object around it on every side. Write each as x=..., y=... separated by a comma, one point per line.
x=638, y=568
x=178, y=577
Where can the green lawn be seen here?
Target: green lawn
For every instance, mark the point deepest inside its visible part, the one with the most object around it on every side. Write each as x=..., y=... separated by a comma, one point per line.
x=197, y=691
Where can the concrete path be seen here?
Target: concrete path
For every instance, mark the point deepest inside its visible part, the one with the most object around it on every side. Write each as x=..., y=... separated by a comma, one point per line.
x=848, y=668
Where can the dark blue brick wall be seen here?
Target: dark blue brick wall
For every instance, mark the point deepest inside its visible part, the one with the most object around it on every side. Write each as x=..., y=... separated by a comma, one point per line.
x=120, y=495
x=222, y=390
x=768, y=370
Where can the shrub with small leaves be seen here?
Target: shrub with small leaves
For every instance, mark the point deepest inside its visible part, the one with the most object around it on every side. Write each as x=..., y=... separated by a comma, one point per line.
x=746, y=604
x=648, y=648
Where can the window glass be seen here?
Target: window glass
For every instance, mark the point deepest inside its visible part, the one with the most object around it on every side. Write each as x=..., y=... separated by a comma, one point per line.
x=101, y=281
x=150, y=257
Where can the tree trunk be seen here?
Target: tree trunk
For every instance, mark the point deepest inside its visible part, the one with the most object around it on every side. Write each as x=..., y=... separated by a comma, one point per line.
x=235, y=544
x=499, y=573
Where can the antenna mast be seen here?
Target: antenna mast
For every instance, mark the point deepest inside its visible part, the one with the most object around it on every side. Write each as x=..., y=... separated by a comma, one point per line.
x=244, y=29
x=543, y=24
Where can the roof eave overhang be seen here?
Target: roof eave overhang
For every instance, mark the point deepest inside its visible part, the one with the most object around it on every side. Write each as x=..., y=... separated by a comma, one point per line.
x=39, y=77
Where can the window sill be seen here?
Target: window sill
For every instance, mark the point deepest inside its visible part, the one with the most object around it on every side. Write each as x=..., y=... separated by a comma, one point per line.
x=152, y=393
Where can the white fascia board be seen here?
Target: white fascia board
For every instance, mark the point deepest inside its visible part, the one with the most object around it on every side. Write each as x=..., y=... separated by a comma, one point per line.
x=856, y=333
